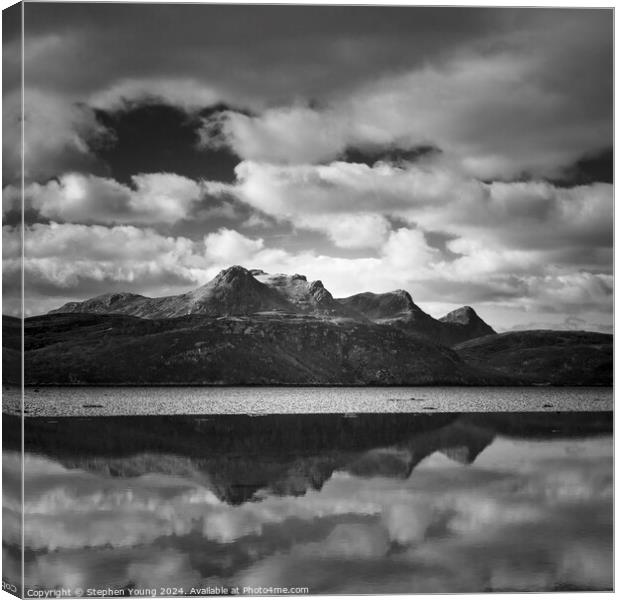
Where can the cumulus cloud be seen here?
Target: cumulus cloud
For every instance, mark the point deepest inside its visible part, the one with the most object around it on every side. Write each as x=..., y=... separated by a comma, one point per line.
x=346, y=201
x=527, y=245
x=356, y=231
x=287, y=191
x=67, y=261
x=98, y=243
x=496, y=97
x=492, y=90
x=77, y=198
x=59, y=135
x=533, y=215
x=229, y=246
x=187, y=93
x=295, y=134
x=495, y=89
x=492, y=114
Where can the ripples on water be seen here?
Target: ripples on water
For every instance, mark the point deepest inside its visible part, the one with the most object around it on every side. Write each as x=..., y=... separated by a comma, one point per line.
x=388, y=503
x=242, y=400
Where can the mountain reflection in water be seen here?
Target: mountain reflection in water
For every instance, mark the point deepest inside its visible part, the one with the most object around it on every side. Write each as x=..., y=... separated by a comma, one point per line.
x=379, y=503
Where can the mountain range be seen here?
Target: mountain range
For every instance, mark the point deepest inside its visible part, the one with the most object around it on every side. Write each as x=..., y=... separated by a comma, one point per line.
x=237, y=291
x=248, y=327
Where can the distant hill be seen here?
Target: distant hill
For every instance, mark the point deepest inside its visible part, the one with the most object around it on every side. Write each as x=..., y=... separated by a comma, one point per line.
x=11, y=350
x=545, y=356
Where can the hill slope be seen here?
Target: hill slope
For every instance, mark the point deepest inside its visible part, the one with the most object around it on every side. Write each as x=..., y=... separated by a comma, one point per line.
x=545, y=356
x=119, y=349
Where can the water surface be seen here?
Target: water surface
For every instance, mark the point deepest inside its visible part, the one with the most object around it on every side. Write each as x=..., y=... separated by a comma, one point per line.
x=333, y=503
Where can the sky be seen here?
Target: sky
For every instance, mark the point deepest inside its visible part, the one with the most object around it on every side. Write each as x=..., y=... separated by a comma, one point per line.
x=462, y=154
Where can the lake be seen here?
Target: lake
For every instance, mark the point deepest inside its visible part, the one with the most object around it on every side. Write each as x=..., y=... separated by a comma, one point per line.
x=415, y=501
x=59, y=401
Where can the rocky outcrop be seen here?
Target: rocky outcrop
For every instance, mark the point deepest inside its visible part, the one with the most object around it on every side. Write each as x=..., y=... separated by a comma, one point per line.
x=383, y=307
x=398, y=309
x=307, y=297
x=462, y=324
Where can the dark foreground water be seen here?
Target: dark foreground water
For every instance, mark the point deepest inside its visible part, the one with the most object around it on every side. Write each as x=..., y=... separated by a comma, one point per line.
x=330, y=503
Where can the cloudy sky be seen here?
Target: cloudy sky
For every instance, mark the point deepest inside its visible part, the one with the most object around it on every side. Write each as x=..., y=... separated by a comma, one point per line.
x=462, y=154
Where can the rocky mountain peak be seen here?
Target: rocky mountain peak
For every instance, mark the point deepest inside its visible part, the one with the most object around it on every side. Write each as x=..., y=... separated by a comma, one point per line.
x=317, y=289
x=389, y=305
x=232, y=274
x=243, y=292
x=463, y=324
x=406, y=298
x=307, y=297
x=463, y=315
x=233, y=291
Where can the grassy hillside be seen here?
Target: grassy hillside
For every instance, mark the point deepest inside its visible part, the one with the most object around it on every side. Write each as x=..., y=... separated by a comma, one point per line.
x=544, y=356
x=263, y=350
x=272, y=349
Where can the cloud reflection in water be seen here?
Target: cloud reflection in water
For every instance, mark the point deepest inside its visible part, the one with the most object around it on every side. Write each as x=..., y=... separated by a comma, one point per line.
x=527, y=514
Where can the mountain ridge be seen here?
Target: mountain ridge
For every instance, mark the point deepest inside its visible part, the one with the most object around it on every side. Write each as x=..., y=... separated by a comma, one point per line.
x=248, y=327
x=237, y=291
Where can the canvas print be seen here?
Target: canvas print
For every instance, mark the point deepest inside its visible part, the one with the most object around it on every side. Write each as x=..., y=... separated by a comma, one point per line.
x=306, y=299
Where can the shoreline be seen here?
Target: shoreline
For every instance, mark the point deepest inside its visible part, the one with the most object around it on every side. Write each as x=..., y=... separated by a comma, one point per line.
x=142, y=401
